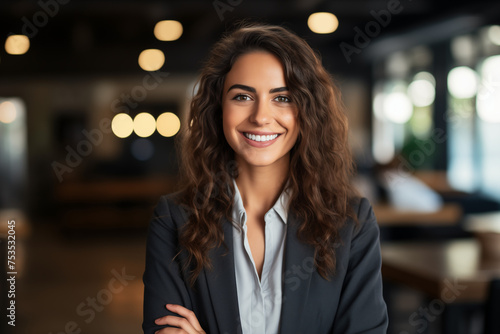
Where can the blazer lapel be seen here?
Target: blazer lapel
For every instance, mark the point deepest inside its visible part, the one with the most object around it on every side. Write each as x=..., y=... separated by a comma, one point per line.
x=298, y=261
x=221, y=282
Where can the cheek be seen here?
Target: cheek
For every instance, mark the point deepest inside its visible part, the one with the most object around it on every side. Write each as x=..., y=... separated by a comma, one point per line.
x=290, y=121
x=229, y=123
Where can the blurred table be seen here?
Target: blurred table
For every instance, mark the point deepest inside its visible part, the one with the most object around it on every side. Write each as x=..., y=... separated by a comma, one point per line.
x=449, y=272
x=387, y=215
x=110, y=203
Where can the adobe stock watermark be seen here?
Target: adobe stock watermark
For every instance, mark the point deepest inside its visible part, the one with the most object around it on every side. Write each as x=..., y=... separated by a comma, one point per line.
x=299, y=273
x=139, y=93
x=489, y=86
x=74, y=156
x=124, y=104
x=88, y=308
x=222, y=6
x=421, y=318
x=418, y=156
x=372, y=29
x=48, y=9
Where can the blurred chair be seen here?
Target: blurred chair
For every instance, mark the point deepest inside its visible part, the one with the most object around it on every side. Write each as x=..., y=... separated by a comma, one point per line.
x=492, y=309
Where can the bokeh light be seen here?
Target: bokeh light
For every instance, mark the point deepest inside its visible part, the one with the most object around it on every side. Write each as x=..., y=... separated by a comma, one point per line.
x=144, y=124
x=8, y=112
x=168, y=30
x=168, y=124
x=17, y=44
x=488, y=97
x=462, y=82
x=151, y=59
x=494, y=34
x=422, y=90
x=122, y=125
x=142, y=149
x=398, y=107
x=378, y=105
x=322, y=23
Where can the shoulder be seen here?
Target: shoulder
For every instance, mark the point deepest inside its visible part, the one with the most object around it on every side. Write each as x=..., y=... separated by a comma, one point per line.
x=364, y=220
x=169, y=211
x=362, y=209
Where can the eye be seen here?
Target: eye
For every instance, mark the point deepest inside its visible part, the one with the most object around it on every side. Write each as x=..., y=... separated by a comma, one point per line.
x=242, y=97
x=282, y=98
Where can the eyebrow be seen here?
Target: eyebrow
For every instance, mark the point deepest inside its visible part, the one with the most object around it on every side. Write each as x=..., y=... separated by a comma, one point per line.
x=252, y=90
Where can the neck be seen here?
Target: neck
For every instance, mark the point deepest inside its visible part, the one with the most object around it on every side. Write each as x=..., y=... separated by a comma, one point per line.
x=260, y=187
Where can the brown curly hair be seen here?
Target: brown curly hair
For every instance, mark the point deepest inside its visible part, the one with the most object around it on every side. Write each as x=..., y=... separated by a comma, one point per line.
x=320, y=161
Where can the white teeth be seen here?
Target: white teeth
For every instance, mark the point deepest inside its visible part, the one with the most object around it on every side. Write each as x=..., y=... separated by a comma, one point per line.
x=259, y=137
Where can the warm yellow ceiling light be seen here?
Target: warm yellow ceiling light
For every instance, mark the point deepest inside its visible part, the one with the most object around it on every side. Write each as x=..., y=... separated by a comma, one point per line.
x=144, y=124
x=151, y=59
x=122, y=125
x=168, y=30
x=17, y=44
x=323, y=23
x=168, y=124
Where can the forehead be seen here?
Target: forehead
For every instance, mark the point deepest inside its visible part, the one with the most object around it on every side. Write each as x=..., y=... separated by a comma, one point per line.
x=257, y=68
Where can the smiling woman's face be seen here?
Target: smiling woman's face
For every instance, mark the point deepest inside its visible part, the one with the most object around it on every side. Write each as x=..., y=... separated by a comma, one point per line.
x=259, y=115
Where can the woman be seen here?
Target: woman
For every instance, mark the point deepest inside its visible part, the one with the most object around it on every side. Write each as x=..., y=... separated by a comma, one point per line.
x=266, y=235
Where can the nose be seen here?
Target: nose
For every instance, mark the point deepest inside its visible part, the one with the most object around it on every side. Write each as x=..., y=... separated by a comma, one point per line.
x=262, y=113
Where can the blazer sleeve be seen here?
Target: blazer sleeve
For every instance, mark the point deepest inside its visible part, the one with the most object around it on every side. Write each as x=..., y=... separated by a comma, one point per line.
x=163, y=279
x=362, y=308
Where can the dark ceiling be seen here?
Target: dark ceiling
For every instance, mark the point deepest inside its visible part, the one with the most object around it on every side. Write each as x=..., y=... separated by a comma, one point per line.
x=91, y=37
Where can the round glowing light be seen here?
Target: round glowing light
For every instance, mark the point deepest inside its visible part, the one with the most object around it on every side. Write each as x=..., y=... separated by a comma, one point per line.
x=425, y=76
x=122, y=125
x=17, y=44
x=168, y=124
x=462, y=82
x=398, y=107
x=142, y=149
x=8, y=112
x=168, y=30
x=322, y=23
x=494, y=34
x=378, y=105
x=151, y=59
x=144, y=124
x=464, y=48
x=488, y=97
x=422, y=92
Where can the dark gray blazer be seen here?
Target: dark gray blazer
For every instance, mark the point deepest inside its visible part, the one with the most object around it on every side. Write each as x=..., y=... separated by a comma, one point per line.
x=351, y=302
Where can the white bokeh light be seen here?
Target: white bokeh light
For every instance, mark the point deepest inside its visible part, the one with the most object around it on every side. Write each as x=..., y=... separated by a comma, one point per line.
x=494, y=34
x=422, y=90
x=463, y=82
x=397, y=107
x=488, y=97
x=8, y=112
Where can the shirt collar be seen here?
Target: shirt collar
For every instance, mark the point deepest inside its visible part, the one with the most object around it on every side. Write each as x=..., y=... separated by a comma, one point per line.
x=280, y=207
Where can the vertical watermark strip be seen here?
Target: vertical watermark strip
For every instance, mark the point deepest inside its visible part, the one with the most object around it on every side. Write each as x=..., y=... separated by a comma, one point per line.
x=11, y=272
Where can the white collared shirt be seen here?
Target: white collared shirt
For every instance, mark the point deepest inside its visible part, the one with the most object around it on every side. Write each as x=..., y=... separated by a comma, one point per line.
x=259, y=301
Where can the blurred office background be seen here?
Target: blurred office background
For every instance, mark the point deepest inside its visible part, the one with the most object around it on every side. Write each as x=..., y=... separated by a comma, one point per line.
x=92, y=94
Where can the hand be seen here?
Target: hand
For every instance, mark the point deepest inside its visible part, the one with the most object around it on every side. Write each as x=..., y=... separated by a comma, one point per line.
x=188, y=323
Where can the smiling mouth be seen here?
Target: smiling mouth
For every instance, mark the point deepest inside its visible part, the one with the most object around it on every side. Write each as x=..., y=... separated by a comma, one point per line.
x=261, y=138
